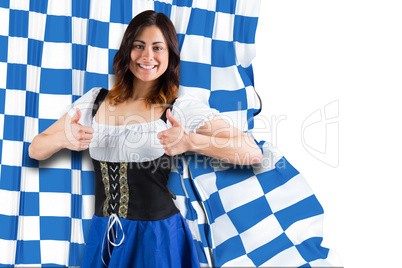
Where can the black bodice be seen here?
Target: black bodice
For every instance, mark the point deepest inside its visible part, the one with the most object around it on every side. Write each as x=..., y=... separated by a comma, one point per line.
x=134, y=190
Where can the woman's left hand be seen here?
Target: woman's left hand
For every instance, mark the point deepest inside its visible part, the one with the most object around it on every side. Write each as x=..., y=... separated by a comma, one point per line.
x=175, y=140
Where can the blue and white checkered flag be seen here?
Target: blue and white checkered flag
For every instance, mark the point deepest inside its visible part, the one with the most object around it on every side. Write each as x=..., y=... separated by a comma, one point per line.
x=53, y=51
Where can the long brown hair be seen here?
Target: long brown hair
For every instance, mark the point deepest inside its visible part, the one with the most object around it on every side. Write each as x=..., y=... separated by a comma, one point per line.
x=166, y=90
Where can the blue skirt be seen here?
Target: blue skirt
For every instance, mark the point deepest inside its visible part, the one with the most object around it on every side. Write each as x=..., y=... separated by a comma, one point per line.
x=164, y=243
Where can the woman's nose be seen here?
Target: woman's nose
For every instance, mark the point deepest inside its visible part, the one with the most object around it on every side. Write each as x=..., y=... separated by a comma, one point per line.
x=148, y=54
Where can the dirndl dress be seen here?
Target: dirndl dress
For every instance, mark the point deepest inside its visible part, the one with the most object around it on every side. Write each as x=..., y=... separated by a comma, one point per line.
x=135, y=223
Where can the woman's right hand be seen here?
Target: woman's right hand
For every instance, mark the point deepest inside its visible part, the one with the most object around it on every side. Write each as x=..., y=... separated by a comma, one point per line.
x=78, y=136
x=64, y=133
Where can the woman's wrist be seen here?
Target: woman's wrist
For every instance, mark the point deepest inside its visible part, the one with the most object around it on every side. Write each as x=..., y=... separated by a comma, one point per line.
x=191, y=137
x=59, y=140
x=197, y=142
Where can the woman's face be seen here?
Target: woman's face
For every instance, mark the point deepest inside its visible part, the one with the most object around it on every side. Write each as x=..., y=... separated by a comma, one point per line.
x=149, y=55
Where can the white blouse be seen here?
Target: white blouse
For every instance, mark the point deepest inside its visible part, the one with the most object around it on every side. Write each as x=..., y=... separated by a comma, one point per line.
x=137, y=142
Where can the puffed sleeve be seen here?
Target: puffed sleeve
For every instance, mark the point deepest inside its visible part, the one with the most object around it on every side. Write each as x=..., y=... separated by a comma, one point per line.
x=192, y=113
x=85, y=104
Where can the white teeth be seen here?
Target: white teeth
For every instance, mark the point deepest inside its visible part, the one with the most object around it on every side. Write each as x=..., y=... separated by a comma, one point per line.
x=147, y=67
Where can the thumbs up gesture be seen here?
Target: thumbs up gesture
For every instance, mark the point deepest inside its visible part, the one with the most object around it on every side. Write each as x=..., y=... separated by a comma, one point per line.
x=79, y=136
x=175, y=140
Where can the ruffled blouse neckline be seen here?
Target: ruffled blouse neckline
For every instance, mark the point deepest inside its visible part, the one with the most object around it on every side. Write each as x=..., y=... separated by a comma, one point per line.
x=156, y=125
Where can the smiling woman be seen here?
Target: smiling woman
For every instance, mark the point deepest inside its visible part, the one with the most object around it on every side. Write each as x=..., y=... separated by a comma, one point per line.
x=132, y=137
x=158, y=44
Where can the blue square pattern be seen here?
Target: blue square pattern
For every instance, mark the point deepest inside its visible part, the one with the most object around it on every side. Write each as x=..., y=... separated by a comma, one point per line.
x=205, y=233
x=80, y=8
x=306, y=208
x=76, y=254
x=269, y=250
x=98, y=34
x=1, y=149
x=183, y=3
x=2, y=100
x=214, y=207
x=55, y=180
x=31, y=104
x=112, y=53
x=16, y=76
x=180, y=38
x=121, y=11
x=29, y=204
x=222, y=54
x=79, y=59
x=28, y=252
x=88, y=182
x=9, y=227
x=86, y=225
x=38, y=6
x=76, y=206
x=247, y=75
x=55, y=228
x=226, y=6
x=191, y=214
x=193, y=74
x=229, y=250
x=45, y=123
x=58, y=29
x=5, y=3
x=244, y=29
x=233, y=176
x=95, y=80
x=192, y=195
x=274, y=178
x=18, y=23
x=56, y=81
x=35, y=50
x=255, y=211
x=311, y=249
x=163, y=8
x=200, y=164
x=201, y=22
x=3, y=48
x=14, y=127
x=174, y=184
x=217, y=100
x=202, y=258
x=26, y=160
x=76, y=160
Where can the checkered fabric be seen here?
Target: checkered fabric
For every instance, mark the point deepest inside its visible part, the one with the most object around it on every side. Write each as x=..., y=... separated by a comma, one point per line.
x=53, y=51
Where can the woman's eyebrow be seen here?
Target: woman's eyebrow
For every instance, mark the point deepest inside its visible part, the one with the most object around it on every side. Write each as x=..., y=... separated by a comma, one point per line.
x=154, y=43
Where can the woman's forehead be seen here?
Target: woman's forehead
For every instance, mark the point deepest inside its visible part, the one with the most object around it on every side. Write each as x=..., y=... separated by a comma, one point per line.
x=150, y=33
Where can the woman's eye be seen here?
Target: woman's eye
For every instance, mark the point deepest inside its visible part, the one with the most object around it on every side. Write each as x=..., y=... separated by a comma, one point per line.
x=138, y=46
x=157, y=48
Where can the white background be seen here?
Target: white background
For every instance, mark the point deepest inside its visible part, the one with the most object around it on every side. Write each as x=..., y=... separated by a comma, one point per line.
x=346, y=55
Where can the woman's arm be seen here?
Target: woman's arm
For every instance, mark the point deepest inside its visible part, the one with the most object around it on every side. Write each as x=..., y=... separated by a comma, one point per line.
x=216, y=138
x=64, y=133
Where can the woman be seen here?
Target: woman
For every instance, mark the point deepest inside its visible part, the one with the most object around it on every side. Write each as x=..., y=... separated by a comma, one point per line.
x=132, y=139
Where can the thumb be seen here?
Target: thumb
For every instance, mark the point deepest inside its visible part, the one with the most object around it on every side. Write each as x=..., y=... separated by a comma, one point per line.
x=76, y=117
x=171, y=119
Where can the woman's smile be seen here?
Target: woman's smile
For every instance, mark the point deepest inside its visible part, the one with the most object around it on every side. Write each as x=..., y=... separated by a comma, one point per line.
x=147, y=67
